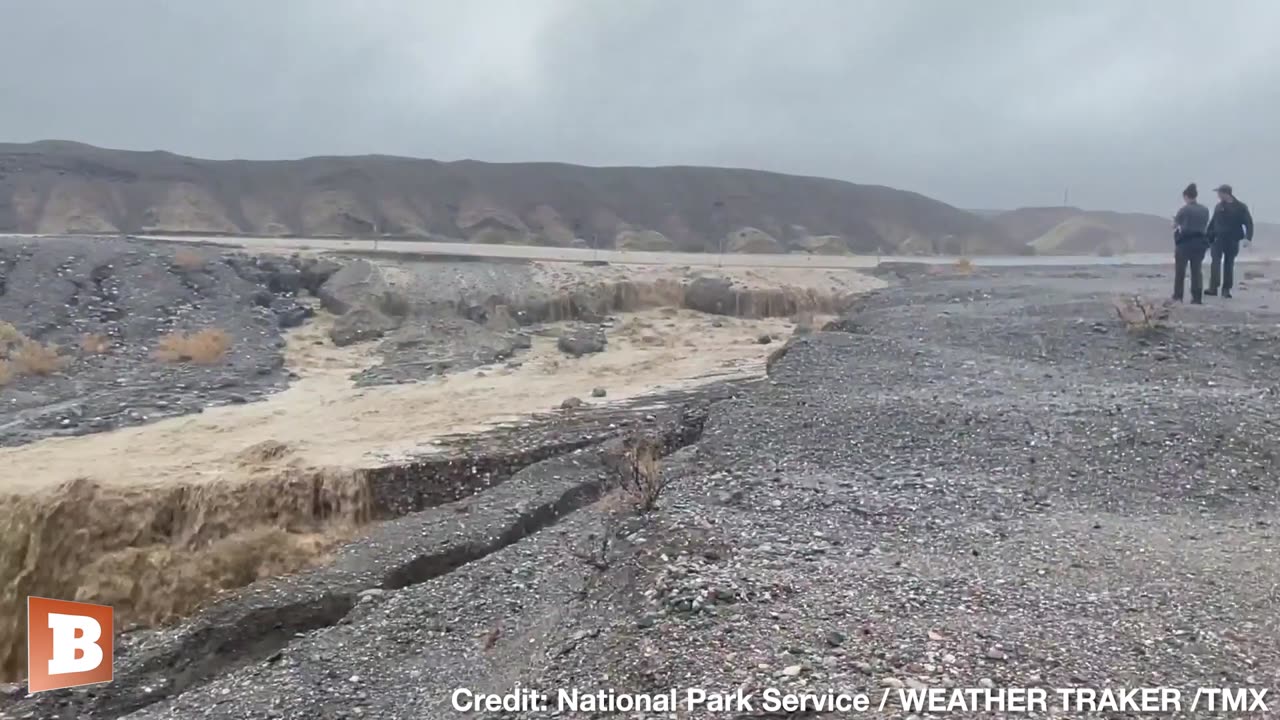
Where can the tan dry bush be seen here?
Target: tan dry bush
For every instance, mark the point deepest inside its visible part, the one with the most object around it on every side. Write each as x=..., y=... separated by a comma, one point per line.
x=10, y=336
x=1140, y=314
x=640, y=475
x=33, y=358
x=189, y=260
x=95, y=344
x=204, y=347
x=6, y=373
x=964, y=266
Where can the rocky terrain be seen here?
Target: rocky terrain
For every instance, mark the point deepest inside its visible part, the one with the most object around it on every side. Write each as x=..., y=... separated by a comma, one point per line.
x=1073, y=231
x=62, y=187
x=206, y=417
x=977, y=480
x=107, y=309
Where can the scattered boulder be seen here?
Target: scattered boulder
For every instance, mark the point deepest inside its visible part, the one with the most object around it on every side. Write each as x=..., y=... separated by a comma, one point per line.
x=716, y=296
x=356, y=283
x=290, y=314
x=764, y=339
x=315, y=272
x=572, y=403
x=361, y=324
x=500, y=319
x=582, y=340
x=598, y=392
x=284, y=280
x=393, y=303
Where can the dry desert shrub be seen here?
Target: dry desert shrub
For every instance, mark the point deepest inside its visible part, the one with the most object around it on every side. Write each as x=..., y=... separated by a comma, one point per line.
x=640, y=475
x=20, y=355
x=95, y=344
x=1140, y=314
x=33, y=358
x=189, y=260
x=10, y=336
x=204, y=347
x=964, y=266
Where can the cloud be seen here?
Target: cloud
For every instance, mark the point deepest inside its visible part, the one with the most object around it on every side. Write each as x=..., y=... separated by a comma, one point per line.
x=994, y=104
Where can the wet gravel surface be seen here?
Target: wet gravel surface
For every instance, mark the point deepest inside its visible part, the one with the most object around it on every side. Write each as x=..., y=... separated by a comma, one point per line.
x=983, y=482
x=61, y=291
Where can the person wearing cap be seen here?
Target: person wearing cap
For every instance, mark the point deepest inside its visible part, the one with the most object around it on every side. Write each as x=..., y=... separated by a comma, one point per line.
x=1231, y=223
x=1189, y=242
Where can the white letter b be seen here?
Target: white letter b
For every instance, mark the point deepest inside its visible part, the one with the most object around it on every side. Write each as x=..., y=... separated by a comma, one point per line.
x=65, y=644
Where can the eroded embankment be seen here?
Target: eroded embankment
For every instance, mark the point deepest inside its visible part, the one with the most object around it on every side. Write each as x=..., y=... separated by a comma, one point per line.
x=596, y=292
x=256, y=624
x=208, y=518
x=158, y=553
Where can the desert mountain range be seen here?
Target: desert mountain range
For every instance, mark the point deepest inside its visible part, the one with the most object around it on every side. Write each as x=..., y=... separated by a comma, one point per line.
x=58, y=187
x=1073, y=231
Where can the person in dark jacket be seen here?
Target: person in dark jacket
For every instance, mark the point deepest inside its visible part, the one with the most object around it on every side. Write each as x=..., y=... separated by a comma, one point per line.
x=1189, y=242
x=1231, y=223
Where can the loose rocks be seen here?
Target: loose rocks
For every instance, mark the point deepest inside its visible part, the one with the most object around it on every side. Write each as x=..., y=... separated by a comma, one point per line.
x=361, y=324
x=582, y=340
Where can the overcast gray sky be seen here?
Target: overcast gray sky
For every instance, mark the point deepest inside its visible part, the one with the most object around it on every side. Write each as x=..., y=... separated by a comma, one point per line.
x=980, y=103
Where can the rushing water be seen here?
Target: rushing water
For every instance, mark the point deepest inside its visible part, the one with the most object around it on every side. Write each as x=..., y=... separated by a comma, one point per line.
x=636, y=257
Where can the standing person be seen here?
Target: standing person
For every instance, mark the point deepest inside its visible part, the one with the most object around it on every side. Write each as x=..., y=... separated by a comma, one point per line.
x=1230, y=224
x=1189, y=243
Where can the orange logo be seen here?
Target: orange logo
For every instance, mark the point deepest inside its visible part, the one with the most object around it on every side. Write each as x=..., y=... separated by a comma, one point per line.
x=68, y=644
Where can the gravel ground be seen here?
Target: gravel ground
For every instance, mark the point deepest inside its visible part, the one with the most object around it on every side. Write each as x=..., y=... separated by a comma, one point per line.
x=981, y=482
x=132, y=293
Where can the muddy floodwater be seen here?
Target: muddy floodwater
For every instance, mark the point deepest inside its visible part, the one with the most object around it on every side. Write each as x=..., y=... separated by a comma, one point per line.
x=525, y=252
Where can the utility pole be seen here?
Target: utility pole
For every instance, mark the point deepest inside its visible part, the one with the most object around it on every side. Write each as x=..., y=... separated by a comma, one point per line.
x=1066, y=192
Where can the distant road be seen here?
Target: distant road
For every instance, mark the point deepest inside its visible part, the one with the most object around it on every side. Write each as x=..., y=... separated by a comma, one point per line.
x=637, y=257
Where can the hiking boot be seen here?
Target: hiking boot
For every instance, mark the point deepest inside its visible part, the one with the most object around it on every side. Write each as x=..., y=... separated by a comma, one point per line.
x=1197, y=301
x=1177, y=298
x=1211, y=291
x=1226, y=294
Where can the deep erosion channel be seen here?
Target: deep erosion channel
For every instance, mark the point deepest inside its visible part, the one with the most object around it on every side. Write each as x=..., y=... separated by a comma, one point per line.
x=501, y=497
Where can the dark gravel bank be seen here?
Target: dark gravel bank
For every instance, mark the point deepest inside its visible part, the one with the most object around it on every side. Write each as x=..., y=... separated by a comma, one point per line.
x=106, y=304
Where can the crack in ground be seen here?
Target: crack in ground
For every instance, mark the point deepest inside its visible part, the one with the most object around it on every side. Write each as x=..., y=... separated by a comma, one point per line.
x=228, y=637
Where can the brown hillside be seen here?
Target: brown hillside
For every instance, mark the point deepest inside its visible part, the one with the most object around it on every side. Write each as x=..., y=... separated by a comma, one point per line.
x=62, y=187
x=1073, y=231
x=1070, y=231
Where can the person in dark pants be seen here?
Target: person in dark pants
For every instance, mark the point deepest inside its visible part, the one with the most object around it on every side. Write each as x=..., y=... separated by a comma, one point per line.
x=1189, y=244
x=1231, y=224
